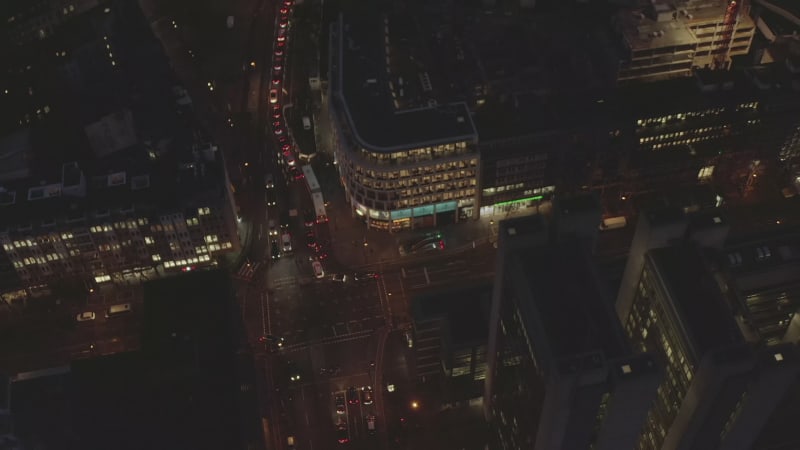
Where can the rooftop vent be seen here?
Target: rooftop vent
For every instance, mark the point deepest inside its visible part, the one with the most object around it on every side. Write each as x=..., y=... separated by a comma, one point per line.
x=7, y=198
x=42, y=192
x=117, y=179
x=140, y=182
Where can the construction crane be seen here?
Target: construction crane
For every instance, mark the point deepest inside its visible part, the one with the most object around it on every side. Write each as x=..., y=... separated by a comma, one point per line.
x=728, y=25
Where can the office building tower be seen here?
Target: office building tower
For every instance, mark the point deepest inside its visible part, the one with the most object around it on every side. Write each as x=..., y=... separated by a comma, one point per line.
x=654, y=229
x=404, y=160
x=760, y=276
x=560, y=373
x=717, y=392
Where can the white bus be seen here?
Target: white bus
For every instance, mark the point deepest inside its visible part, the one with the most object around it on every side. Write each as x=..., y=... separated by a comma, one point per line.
x=319, y=207
x=311, y=179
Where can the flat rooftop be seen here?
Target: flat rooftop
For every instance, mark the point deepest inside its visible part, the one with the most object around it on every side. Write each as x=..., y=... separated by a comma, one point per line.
x=568, y=302
x=697, y=299
x=465, y=308
x=111, y=119
x=364, y=95
x=663, y=24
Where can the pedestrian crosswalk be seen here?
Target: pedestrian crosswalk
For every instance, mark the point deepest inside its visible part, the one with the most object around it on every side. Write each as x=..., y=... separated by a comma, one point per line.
x=364, y=334
x=283, y=282
x=247, y=271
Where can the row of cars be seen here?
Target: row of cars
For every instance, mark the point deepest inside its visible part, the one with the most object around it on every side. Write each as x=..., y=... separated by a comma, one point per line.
x=354, y=396
x=277, y=120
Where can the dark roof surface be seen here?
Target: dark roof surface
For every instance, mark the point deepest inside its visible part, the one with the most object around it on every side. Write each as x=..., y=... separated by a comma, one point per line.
x=179, y=391
x=698, y=300
x=367, y=103
x=465, y=308
x=569, y=301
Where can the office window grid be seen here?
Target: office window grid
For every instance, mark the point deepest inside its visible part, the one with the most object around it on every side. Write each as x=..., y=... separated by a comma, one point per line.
x=651, y=328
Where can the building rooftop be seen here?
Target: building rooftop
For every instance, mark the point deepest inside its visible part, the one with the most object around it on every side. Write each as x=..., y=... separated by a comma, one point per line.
x=96, y=191
x=362, y=90
x=183, y=395
x=698, y=301
x=567, y=302
x=112, y=138
x=666, y=23
x=465, y=310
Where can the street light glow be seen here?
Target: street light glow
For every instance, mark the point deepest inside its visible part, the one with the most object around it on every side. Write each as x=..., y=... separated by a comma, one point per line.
x=414, y=405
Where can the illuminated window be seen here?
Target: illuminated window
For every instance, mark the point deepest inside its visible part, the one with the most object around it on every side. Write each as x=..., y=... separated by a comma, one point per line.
x=705, y=173
x=203, y=211
x=148, y=240
x=193, y=221
x=102, y=278
x=156, y=258
x=211, y=238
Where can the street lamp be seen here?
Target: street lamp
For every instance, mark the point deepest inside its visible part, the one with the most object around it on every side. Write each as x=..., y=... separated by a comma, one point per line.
x=414, y=405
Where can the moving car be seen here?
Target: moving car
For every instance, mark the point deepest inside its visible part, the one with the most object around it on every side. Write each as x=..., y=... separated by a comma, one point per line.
x=85, y=316
x=339, y=278
x=364, y=276
x=352, y=396
x=319, y=272
x=368, y=397
x=273, y=96
x=371, y=423
x=309, y=218
x=294, y=372
x=339, y=402
x=286, y=239
x=269, y=181
x=342, y=436
x=273, y=227
x=271, y=198
x=276, y=249
x=311, y=240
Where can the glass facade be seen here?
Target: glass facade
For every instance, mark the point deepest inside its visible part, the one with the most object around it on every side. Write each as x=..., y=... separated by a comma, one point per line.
x=653, y=328
x=418, y=187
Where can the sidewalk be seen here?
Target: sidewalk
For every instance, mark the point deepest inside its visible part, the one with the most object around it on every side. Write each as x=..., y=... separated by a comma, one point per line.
x=349, y=233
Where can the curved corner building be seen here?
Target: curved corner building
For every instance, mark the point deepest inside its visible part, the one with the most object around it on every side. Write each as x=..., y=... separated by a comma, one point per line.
x=401, y=168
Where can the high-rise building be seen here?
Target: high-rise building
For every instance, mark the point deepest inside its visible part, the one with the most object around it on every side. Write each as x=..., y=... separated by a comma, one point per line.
x=404, y=162
x=109, y=176
x=717, y=392
x=759, y=275
x=560, y=373
x=669, y=38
